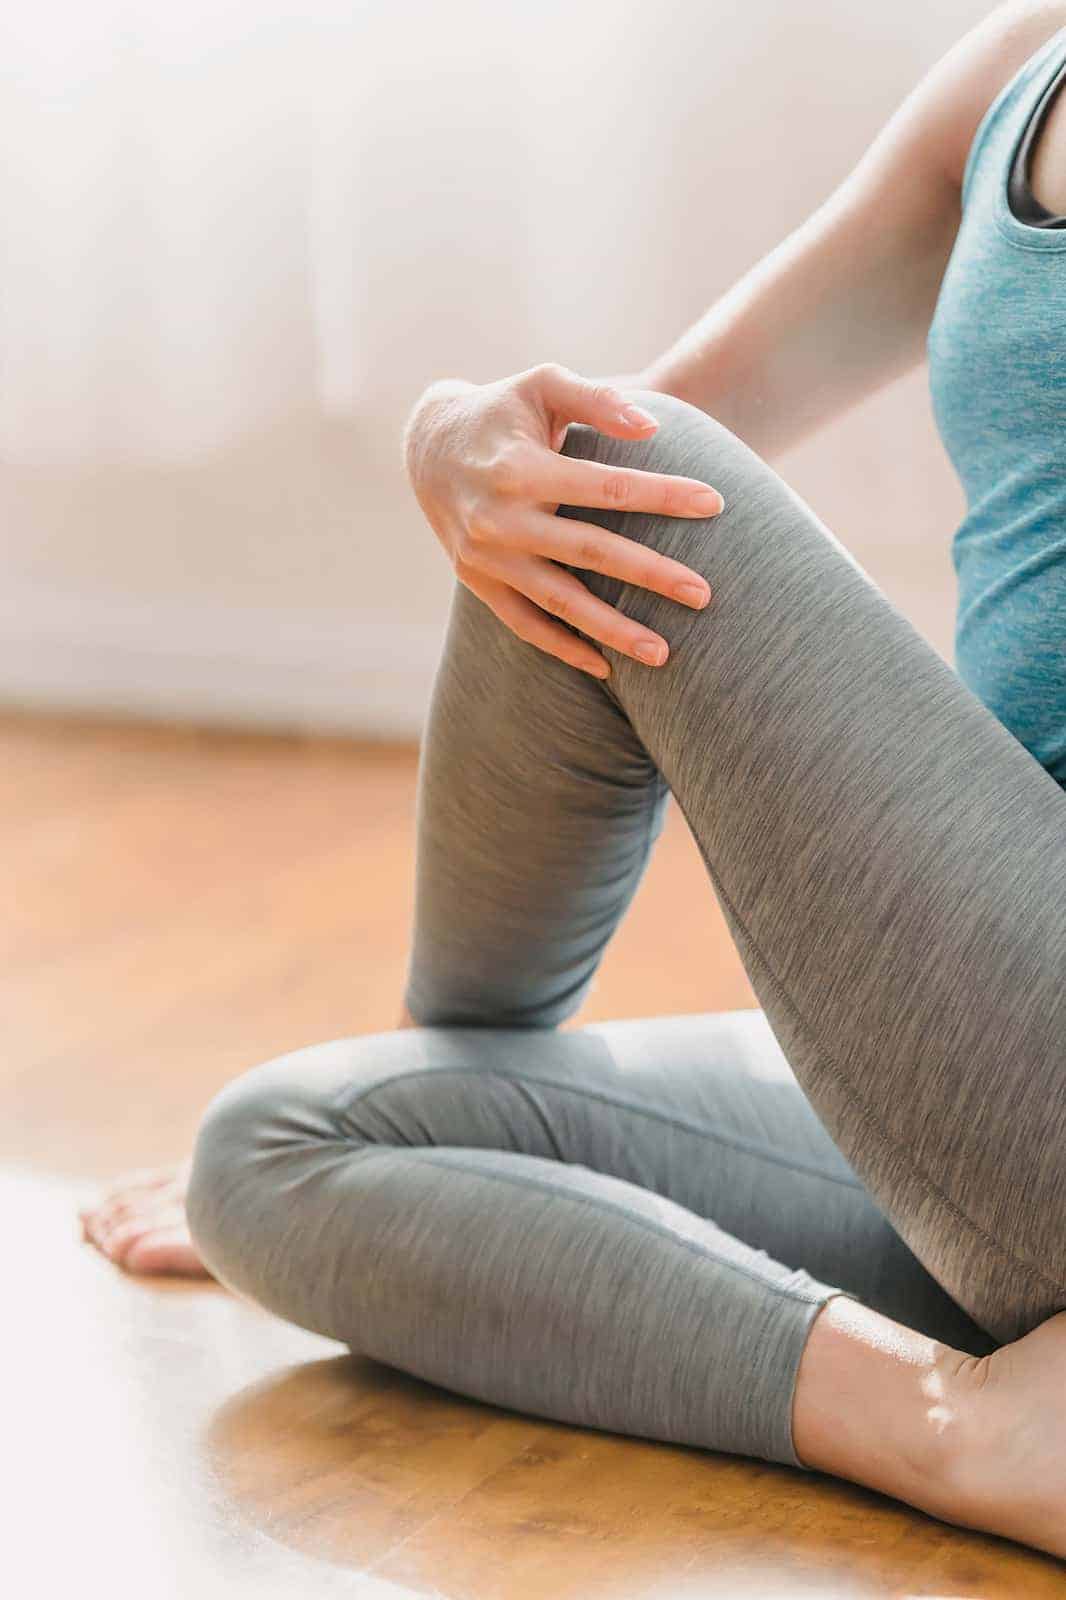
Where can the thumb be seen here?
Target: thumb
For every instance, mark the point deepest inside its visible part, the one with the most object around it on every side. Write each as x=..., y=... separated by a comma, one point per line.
x=603, y=405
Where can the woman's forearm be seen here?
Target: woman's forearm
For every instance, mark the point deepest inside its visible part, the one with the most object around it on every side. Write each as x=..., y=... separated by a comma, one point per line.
x=838, y=309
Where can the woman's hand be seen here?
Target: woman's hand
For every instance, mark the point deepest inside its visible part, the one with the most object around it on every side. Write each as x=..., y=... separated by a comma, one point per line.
x=485, y=467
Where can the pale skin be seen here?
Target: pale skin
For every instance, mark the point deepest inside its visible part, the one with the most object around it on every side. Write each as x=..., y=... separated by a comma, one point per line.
x=838, y=309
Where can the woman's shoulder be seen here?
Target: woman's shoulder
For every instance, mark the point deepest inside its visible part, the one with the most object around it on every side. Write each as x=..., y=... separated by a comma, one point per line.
x=977, y=72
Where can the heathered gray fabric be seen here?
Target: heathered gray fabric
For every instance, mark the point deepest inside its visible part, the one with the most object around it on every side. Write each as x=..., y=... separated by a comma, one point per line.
x=631, y=1226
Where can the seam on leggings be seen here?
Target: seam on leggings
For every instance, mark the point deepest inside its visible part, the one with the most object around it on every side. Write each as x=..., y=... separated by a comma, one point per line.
x=868, y=1116
x=421, y=1153
x=658, y=796
x=728, y=1141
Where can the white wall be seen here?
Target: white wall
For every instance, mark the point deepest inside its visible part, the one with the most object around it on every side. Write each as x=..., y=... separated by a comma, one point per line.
x=283, y=575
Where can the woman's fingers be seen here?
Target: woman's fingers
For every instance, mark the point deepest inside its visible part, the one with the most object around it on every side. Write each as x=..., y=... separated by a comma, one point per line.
x=567, y=480
x=569, y=397
x=525, y=471
x=572, y=398
x=554, y=590
x=596, y=549
x=532, y=625
x=514, y=553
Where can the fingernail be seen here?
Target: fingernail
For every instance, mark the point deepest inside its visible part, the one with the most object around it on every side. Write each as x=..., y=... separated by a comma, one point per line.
x=693, y=594
x=650, y=651
x=706, y=500
x=600, y=672
x=636, y=417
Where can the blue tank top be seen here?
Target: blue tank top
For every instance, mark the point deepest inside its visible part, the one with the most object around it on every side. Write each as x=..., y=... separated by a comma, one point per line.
x=997, y=376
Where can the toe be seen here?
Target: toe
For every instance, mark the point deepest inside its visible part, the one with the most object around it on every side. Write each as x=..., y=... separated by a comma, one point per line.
x=166, y=1251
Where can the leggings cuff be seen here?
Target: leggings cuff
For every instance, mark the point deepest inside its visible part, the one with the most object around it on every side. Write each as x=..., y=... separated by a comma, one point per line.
x=821, y=1294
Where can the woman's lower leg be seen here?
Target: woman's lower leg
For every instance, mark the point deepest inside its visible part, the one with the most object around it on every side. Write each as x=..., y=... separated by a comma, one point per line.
x=884, y=1405
x=889, y=1407
x=527, y=1217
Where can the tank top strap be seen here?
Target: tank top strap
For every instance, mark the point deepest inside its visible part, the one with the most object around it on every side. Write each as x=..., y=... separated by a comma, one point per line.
x=1000, y=130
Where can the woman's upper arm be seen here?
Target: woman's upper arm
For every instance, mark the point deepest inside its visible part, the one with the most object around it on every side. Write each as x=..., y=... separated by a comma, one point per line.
x=884, y=236
x=919, y=156
x=948, y=105
x=906, y=189
x=843, y=304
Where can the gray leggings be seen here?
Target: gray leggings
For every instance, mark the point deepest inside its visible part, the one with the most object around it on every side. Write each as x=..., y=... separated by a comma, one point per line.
x=631, y=1226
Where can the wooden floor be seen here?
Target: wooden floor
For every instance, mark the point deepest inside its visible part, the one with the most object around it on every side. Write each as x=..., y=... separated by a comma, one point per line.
x=182, y=905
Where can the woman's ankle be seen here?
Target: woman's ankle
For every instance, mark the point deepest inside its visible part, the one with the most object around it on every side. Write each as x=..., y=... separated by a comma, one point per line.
x=882, y=1405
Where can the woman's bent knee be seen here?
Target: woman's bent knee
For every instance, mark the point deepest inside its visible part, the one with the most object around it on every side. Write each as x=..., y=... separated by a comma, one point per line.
x=239, y=1130
x=765, y=555
x=689, y=444
x=692, y=444
x=268, y=1132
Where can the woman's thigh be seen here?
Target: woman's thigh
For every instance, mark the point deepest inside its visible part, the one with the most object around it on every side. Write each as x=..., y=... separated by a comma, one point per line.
x=886, y=853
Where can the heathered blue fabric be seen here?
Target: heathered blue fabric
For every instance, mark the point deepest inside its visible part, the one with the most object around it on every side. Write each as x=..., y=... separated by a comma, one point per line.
x=997, y=371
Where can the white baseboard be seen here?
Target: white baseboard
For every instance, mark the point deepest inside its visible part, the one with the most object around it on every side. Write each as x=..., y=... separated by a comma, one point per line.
x=238, y=667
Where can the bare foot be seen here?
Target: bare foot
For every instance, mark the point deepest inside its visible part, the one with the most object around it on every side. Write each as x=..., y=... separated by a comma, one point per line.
x=979, y=1441
x=1010, y=1476
x=139, y=1223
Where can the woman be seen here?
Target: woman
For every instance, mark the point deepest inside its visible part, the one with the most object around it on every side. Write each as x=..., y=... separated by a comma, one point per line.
x=830, y=1232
